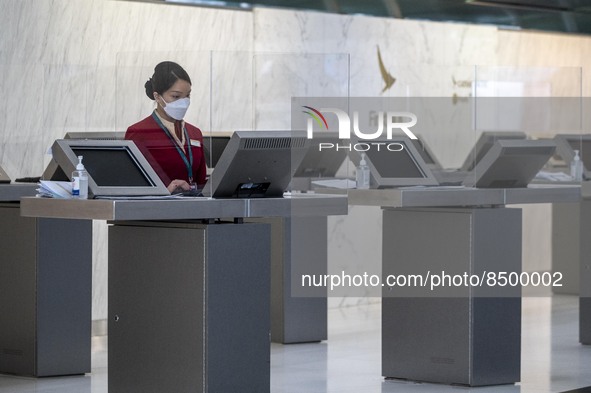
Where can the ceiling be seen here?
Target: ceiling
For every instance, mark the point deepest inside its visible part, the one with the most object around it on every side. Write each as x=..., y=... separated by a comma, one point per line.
x=569, y=16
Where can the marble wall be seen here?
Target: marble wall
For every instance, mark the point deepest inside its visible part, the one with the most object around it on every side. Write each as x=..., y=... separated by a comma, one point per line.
x=80, y=66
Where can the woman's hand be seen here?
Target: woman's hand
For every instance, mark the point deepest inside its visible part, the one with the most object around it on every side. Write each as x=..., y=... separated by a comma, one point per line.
x=178, y=185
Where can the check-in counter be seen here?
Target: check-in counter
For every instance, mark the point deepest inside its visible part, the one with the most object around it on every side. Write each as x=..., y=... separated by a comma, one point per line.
x=585, y=266
x=566, y=243
x=45, y=290
x=189, y=287
x=464, y=335
x=571, y=254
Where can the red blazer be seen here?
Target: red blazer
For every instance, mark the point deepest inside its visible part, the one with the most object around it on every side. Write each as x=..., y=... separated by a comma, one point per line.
x=161, y=153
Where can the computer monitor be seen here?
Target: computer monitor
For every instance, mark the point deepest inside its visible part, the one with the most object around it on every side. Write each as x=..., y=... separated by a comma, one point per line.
x=257, y=164
x=4, y=176
x=96, y=135
x=322, y=160
x=484, y=143
x=566, y=144
x=115, y=167
x=511, y=164
x=53, y=170
x=213, y=147
x=394, y=163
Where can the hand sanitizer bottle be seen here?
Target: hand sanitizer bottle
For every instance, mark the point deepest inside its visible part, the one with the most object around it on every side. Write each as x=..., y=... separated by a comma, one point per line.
x=576, y=168
x=362, y=174
x=80, y=181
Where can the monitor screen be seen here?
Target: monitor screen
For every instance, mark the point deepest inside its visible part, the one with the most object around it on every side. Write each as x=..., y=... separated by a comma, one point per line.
x=322, y=160
x=395, y=163
x=112, y=167
x=213, y=147
x=511, y=164
x=115, y=167
x=257, y=164
x=484, y=143
x=398, y=164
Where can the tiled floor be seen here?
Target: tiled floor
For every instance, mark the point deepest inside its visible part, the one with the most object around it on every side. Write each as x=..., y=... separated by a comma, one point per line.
x=552, y=359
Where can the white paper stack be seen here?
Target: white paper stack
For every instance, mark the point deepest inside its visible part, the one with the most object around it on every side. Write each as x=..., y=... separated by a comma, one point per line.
x=55, y=189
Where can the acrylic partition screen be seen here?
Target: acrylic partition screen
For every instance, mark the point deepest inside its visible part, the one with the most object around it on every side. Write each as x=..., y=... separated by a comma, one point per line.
x=254, y=91
x=537, y=102
x=438, y=95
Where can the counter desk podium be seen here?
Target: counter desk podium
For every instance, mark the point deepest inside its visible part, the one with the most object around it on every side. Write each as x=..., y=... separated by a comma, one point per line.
x=45, y=290
x=585, y=266
x=189, y=295
x=465, y=339
x=571, y=254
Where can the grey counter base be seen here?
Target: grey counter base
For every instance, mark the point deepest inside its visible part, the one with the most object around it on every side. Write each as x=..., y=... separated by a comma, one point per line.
x=566, y=245
x=585, y=320
x=466, y=340
x=45, y=294
x=585, y=274
x=203, y=292
x=298, y=246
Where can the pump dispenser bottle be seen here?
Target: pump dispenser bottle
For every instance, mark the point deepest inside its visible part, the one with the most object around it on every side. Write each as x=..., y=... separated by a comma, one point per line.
x=576, y=168
x=362, y=176
x=80, y=181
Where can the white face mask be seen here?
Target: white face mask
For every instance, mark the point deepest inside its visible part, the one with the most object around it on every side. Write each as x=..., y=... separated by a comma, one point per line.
x=177, y=109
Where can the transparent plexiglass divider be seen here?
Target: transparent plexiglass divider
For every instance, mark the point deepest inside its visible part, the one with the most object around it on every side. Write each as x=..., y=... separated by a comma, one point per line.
x=253, y=91
x=539, y=103
x=256, y=92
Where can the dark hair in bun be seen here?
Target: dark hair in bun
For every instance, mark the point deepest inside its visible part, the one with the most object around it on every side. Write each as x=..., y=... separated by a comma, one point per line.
x=165, y=75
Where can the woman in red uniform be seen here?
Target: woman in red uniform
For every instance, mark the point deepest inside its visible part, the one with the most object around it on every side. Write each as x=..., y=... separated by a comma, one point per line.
x=173, y=147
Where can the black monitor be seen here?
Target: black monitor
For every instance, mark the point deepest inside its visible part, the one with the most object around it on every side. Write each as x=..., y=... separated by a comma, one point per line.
x=486, y=140
x=566, y=144
x=395, y=163
x=511, y=164
x=323, y=159
x=96, y=135
x=257, y=164
x=115, y=167
x=213, y=147
x=4, y=176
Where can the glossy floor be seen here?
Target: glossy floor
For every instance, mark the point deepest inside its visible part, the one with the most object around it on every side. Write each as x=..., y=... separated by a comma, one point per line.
x=552, y=359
